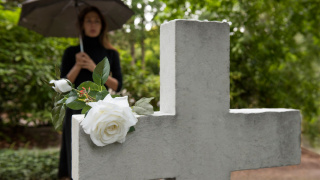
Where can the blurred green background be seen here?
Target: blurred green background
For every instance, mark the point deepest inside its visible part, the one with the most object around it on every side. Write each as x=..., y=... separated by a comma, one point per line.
x=274, y=57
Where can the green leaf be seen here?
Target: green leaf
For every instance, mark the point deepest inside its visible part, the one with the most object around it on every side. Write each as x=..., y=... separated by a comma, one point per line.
x=85, y=109
x=93, y=86
x=73, y=102
x=101, y=95
x=93, y=93
x=76, y=105
x=141, y=111
x=61, y=101
x=58, y=113
x=143, y=101
x=101, y=72
x=143, y=106
x=71, y=99
x=57, y=99
x=73, y=92
x=72, y=96
x=115, y=95
x=131, y=129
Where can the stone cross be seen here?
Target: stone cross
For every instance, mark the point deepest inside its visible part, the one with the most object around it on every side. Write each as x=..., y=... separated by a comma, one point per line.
x=194, y=136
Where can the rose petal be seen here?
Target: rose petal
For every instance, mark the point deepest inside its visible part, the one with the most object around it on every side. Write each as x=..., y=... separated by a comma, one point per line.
x=61, y=85
x=108, y=98
x=121, y=101
x=108, y=121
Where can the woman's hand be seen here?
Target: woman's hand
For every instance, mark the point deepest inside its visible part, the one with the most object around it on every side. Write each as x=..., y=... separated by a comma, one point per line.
x=84, y=61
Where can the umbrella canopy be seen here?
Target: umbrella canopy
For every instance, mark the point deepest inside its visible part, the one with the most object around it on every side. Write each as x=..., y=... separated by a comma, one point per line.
x=58, y=18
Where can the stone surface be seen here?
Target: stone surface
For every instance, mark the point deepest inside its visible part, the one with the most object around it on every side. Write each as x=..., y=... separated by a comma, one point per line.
x=195, y=135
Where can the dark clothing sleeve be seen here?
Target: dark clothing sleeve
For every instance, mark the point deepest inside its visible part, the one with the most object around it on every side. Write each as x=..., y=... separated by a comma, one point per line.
x=116, y=70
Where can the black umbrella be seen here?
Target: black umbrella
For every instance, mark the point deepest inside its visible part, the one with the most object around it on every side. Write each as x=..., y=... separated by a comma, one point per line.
x=58, y=18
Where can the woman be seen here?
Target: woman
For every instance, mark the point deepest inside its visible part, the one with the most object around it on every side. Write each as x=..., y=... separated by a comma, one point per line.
x=78, y=67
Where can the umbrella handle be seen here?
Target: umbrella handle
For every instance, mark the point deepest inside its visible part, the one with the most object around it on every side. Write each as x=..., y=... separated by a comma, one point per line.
x=80, y=37
x=81, y=43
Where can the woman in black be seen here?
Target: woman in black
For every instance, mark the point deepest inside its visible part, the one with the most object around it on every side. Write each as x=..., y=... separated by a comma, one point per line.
x=78, y=67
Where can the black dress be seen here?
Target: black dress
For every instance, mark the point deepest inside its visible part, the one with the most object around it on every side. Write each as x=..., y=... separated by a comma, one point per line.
x=97, y=53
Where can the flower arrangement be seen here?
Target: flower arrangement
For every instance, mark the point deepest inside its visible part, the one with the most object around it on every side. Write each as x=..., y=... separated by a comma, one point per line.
x=107, y=119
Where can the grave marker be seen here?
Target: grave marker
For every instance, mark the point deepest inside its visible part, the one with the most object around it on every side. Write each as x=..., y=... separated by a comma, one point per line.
x=195, y=135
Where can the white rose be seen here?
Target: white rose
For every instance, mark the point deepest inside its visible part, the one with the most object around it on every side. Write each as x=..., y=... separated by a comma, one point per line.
x=61, y=86
x=109, y=120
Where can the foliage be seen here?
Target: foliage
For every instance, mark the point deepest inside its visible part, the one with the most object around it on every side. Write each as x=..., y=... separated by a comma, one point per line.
x=139, y=83
x=25, y=59
x=29, y=164
x=274, y=53
x=135, y=37
x=150, y=88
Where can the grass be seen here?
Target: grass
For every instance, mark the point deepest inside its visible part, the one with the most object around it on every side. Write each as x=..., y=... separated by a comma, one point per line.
x=26, y=164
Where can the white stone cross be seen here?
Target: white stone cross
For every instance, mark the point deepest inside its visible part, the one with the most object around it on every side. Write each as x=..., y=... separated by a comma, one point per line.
x=195, y=136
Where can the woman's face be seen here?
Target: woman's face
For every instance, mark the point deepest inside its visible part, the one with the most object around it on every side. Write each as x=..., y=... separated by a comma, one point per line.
x=92, y=24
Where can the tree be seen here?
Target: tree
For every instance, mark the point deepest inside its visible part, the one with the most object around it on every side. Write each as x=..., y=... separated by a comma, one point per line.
x=274, y=52
x=135, y=31
x=26, y=59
